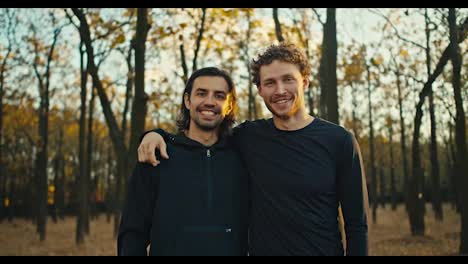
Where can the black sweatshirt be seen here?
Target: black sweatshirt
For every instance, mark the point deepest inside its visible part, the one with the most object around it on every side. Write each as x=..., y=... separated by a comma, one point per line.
x=195, y=203
x=298, y=178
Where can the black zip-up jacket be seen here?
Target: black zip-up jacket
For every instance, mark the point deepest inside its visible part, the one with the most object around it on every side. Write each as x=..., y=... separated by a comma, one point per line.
x=194, y=203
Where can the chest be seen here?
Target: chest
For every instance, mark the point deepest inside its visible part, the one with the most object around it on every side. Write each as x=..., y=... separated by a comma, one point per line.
x=292, y=163
x=202, y=181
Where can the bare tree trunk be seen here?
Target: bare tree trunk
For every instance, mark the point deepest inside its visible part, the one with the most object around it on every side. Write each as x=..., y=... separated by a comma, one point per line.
x=402, y=139
x=128, y=93
x=12, y=197
x=453, y=174
x=110, y=200
x=58, y=205
x=120, y=191
x=460, y=126
x=43, y=131
x=2, y=173
x=279, y=33
x=435, y=171
x=435, y=175
x=114, y=131
x=251, y=103
x=82, y=181
x=118, y=143
x=41, y=163
x=89, y=160
x=416, y=199
x=392, y=170
x=32, y=182
x=182, y=58
x=59, y=179
x=305, y=41
x=3, y=68
x=382, y=193
x=116, y=136
x=373, y=181
x=353, y=110
x=452, y=190
x=139, y=105
x=327, y=69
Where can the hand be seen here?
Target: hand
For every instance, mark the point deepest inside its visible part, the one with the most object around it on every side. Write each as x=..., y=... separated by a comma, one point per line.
x=146, y=150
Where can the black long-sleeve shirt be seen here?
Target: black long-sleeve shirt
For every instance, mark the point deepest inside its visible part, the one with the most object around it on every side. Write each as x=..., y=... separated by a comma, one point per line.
x=298, y=179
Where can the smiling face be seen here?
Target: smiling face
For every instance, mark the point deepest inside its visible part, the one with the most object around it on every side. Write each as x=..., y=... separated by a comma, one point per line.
x=208, y=102
x=281, y=86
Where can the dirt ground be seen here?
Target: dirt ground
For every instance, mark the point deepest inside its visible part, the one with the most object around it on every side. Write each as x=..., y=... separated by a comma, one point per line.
x=390, y=236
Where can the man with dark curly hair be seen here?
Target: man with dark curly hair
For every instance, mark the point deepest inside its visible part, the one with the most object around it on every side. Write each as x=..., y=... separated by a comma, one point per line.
x=302, y=168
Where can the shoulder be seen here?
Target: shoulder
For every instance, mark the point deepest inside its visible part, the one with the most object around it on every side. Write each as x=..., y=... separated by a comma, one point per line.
x=252, y=125
x=332, y=130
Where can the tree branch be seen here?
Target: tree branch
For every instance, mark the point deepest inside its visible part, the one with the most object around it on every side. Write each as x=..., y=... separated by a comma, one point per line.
x=199, y=38
x=396, y=30
x=319, y=18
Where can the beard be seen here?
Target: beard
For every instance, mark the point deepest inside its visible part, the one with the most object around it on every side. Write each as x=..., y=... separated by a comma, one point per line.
x=272, y=110
x=207, y=125
x=293, y=108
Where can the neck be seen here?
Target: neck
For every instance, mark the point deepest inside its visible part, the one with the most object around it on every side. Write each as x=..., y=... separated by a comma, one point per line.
x=206, y=138
x=295, y=122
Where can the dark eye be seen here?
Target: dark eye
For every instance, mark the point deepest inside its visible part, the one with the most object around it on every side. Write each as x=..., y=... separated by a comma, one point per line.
x=220, y=96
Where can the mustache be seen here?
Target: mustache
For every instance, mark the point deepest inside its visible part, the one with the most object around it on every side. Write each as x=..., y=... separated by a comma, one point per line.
x=276, y=98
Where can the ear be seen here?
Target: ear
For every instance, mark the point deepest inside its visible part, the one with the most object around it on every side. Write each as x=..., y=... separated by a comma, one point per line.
x=187, y=100
x=305, y=81
x=259, y=89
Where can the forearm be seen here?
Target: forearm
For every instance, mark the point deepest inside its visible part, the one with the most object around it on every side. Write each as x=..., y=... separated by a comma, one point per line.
x=160, y=131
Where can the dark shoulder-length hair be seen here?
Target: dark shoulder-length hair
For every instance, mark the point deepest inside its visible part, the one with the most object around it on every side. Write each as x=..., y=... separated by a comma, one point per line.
x=183, y=119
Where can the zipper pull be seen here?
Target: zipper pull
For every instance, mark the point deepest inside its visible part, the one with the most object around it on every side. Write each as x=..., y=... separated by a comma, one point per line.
x=208, y=153
x=228, y=230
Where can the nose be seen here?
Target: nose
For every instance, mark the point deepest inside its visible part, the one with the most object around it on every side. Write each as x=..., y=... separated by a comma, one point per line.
x=280, y=88
x=210, y=100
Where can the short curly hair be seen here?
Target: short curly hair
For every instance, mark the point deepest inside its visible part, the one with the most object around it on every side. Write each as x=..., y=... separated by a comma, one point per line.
x=284, y=52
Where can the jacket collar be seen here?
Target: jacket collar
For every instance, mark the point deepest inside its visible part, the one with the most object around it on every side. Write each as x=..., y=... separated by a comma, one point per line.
x=182, y=139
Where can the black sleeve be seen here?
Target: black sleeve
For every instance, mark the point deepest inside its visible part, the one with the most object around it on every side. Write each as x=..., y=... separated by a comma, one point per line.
x=135, y=225
x=352, y=196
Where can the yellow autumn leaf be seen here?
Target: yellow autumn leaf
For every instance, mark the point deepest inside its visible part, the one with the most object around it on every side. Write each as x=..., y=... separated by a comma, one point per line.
x=120, y=39
x=404, y=53
x=377, y=60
